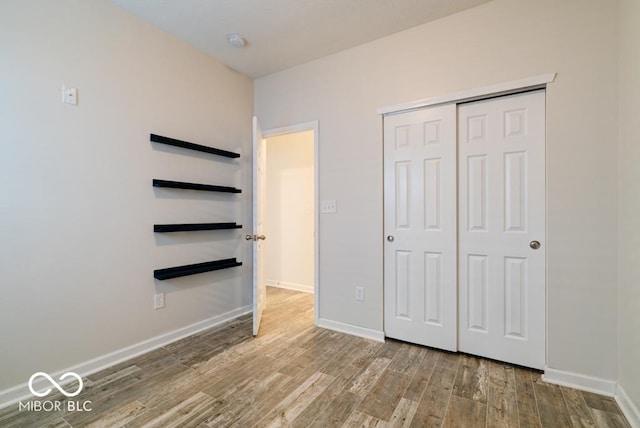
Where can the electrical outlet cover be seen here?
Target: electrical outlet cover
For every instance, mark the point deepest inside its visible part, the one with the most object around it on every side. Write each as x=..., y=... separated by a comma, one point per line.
x=158, y=301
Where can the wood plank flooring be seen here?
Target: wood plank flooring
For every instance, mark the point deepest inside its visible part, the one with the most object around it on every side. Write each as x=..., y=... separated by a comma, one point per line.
x=297, y=375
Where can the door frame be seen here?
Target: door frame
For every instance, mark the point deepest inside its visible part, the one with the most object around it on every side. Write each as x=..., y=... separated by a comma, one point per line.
x=484, y=92
x=505, y=88
x=292, y=129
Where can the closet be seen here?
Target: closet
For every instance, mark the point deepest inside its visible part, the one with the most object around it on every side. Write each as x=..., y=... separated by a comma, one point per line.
x=464, y=227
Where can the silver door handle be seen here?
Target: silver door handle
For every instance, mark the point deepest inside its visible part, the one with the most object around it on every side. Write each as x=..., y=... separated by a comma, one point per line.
x=248, y=237
x=390, y=238
x=534, y=244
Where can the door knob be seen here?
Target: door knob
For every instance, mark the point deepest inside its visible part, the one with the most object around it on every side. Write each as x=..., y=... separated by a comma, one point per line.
x=248, y=237
x=261, y=237
x=390, y=238
x=534, y=244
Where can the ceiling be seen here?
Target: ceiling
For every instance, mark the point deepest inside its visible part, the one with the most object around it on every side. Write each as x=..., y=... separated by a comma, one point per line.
x=284, y=33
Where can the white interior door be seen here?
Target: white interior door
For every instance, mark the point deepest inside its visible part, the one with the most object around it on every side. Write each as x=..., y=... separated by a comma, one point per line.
x=501, y=164
x=420, y=227
x=259, y=192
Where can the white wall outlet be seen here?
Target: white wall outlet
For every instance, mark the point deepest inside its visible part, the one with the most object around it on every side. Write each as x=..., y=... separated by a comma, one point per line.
x=360, y=294
x=69, y=95
x=158, y=301
x=328, y=207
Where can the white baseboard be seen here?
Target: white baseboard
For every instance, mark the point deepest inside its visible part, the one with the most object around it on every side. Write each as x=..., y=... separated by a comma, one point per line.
x=629, y=409
x=290, y=286
x=580, y=381
x=21, y=392
x=367, y=333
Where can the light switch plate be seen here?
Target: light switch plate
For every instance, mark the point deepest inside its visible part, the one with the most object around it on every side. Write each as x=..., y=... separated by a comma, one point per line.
x=328, y=207
x=70, y=95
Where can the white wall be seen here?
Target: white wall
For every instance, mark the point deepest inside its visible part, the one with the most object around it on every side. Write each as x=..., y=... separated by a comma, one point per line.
x=77, y=248
x=289, y=221
x=629, y=297
x=500, y=41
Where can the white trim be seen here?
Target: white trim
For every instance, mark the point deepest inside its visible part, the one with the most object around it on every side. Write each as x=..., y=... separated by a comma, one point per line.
x=21, y=392
x=312, y=125
x=580, y=381
x=354, y=330
x=472, y=94
x=305, y=288
x=291, y=129
x=628, y=408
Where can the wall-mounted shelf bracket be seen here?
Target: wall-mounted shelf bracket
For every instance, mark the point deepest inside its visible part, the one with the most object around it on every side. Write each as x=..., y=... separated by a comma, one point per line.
x=178, y=271
x=189, y=227
x=192, y=146
x=194, y=186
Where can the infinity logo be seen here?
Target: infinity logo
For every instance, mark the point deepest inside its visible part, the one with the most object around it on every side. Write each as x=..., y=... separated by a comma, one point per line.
x=55, y=384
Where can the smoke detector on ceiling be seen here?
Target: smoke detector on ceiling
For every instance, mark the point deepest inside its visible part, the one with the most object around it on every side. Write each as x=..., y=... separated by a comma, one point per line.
x=236, y=40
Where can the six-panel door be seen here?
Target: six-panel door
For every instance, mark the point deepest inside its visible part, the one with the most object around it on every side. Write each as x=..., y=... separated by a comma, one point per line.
x=420, y=225
x=501, y=205
x=465, y=227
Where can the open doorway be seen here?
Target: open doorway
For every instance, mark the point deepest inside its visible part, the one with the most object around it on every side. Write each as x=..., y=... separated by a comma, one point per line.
x=291, y=210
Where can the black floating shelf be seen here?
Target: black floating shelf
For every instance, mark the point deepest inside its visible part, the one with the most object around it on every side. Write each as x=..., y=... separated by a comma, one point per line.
x=178, y=271
x=194, y=186
x=188, y=227
x=191, y=146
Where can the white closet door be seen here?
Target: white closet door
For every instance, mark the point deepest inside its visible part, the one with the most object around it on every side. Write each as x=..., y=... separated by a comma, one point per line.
x=501, y=165
x=420, y=226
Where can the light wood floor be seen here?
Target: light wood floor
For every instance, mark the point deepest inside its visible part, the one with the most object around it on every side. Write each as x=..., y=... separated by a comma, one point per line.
x=295, y=374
